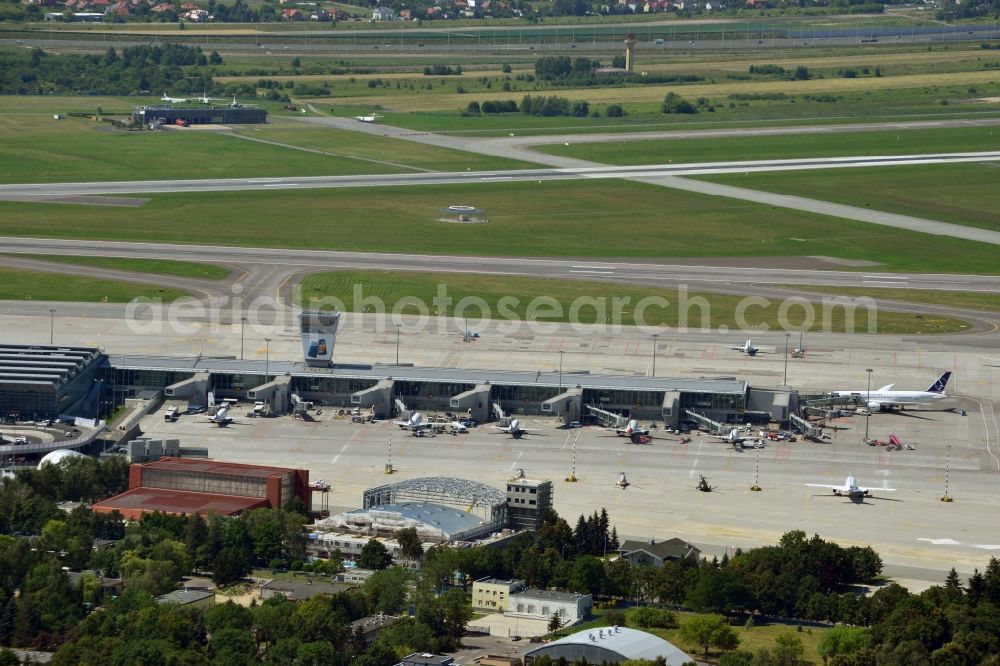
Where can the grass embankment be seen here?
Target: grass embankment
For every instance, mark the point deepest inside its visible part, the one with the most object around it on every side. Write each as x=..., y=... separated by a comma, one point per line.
x=814, y=144
x=595, y=302
x=189, y=269
x=569, y=219
x=754, y=639
x=18, y=285
x=988, y=302
x=965, y=194
x=40, y=149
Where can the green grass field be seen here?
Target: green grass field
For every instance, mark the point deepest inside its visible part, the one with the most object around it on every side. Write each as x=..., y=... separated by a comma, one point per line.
x=989, y=302
x=19, y=285
x=957, y=193
x=363, y=146
x=817, y=144
x=40, y=149
x=350, y=287
x=605, y=218
x=753, y=639
x=189, y=269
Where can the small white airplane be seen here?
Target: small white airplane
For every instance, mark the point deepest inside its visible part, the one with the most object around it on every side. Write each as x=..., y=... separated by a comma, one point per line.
x=205, y=99
x=457, y=427
x=850, y=489
x=173, y=100
x=370, y=118
x=221, y=418
x=747, y=348
x=514, y=429
x=885, y=399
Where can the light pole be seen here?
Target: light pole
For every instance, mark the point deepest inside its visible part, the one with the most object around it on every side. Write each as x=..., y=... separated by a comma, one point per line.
x=784, y=378
x=243, y=322
x=655, y=335
x=267, y=360
x=947, y=466
x=52, y=324
x=397, y=344
x=560, y=368
x=868, y=401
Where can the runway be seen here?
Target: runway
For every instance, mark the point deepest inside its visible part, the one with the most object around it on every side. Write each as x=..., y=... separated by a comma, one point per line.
x=51, y=190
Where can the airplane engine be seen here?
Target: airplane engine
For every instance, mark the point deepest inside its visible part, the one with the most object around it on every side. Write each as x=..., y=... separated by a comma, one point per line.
x=874, y=406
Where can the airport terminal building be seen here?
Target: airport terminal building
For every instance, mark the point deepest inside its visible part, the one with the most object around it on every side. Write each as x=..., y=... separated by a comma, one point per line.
x=37, y=381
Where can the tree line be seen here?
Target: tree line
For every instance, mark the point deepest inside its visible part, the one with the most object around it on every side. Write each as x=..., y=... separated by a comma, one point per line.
x=133, y=70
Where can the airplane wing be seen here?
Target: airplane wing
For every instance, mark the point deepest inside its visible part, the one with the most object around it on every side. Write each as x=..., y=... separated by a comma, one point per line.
x=826, y=485
x=881, y=490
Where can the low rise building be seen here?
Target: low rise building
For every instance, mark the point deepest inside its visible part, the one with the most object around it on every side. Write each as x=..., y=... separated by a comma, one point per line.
x=493, y=594
x=299, y=589
x=570, y=606
x=426, y=659
x=189, y=597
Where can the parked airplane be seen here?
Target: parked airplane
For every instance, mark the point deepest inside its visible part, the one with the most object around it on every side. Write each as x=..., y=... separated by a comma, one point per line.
x=739, y=441
x=456, y=427
x=173, y=100
x=850, y=489
x=747, y=348
x=514, y=429
x=415, y=423
x=632, y=428
x=885, y=399
x=221, y=418
x=370, y=118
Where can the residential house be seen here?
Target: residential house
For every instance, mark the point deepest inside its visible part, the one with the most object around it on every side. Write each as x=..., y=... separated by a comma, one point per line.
x=383, y=14
x=292, y=14
x=651, y=553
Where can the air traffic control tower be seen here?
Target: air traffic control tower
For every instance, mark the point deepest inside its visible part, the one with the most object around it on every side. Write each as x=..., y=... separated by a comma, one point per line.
x=319, y=333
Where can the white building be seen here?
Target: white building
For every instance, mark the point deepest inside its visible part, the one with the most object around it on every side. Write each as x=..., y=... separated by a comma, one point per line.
x=383, y=14
x=543, y=604
x=610, y=645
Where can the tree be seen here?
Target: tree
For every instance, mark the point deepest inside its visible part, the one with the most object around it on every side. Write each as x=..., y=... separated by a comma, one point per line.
x=374, y=555
x=674, y=103
x=708, y=631
x=386, y=590
x=230, y=566
x=843, y=641
x=214, y=58
x=473, y=109
x=554, y=623
x=801, y=73
x=409, y=544
x=296, y=63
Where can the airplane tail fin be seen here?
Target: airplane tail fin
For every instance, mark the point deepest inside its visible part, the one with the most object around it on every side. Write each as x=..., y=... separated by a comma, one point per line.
x=940, y=384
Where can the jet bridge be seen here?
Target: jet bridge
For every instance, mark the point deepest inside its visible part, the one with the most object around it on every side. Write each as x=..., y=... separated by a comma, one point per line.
x=807, y=429
x=565, y=405
x=502, y=417
x=474, y=402
x=275, y=393
x=194, y=389
x=609, y=419
x=701, y=419
x=378, y=397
